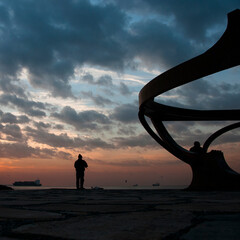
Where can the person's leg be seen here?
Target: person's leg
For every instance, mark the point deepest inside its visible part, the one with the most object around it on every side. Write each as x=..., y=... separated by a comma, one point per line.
x=82, y=180
x=77, y=180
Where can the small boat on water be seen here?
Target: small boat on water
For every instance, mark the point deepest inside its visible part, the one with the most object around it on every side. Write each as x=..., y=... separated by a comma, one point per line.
x=156, y=185
x=27, y=183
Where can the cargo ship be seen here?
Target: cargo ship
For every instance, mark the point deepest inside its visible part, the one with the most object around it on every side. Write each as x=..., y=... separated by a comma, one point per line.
x=27, y=183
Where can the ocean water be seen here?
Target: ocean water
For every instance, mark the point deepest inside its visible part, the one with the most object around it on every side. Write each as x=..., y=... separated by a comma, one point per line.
x=104, y=187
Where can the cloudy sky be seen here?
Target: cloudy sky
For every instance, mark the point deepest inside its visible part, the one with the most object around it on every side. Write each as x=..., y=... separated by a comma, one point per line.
x=70, y=74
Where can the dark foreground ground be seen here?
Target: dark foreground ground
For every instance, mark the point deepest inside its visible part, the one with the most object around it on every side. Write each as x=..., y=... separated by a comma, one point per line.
x=119, y=214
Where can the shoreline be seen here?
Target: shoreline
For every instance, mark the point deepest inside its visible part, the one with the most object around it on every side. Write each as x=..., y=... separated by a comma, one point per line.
x=161, y=187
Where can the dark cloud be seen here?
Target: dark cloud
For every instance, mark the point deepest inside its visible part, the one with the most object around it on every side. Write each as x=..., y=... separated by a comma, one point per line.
x=22, y=150
x=104, y=80
x=97, y=99
x=42, y=125
x=230, y=137
x=169, y=32
x=88, y=78
x=192, y=17
x=58, y=126
x=185, y=133
x=126, y=113
x=202, y=94
x=42, y=136
x=49, y=41
x=127, y=130
x=31, y=108
x=158, y=45
x=85, y=120
x=92, y=143
x=10, y=118
x=23, y=119
x=10, y=87
x=202, y=16
x=223, y=98
x=124, y=90
x=13, y=132
x=16, y=150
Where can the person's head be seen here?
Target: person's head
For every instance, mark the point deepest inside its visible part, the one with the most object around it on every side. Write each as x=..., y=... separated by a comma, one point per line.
x=197, y=144
x=79, y=156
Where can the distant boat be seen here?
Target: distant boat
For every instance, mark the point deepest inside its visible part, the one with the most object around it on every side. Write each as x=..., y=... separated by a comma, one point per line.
x=135, y=185
x=156, y=185
x=28, y=183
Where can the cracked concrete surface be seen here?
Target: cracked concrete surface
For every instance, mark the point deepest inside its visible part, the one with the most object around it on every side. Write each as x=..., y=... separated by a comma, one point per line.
x=119, y=214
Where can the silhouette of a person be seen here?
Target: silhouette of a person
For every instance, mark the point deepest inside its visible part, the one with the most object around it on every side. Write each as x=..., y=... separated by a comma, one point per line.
x=196, y=148
x=80, y=166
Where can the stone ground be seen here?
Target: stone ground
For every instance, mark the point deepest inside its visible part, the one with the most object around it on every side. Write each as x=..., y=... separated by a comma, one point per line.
x=119, y=215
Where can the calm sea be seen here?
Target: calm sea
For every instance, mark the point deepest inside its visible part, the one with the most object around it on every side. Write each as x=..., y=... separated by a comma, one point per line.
x=105, y=187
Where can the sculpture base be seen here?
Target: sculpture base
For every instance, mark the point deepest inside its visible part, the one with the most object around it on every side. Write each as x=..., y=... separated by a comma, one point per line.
x=211, y=172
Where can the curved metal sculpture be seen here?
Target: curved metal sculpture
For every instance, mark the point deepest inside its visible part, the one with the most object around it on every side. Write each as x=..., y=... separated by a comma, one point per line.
x=210, y=171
